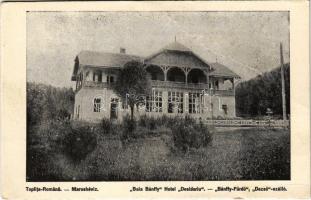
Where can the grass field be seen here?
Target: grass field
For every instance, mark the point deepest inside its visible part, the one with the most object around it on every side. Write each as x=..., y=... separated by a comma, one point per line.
x=234, y=154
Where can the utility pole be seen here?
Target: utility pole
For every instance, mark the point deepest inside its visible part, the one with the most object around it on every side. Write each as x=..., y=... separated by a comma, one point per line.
x=283, y=83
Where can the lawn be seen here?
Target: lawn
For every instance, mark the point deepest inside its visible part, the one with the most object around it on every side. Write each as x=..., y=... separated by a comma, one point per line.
x=233, y=154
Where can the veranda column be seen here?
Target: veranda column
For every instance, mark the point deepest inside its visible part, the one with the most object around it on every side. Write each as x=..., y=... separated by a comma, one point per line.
x=104, y=76
x=186, y=71
x=207, y=82
x=186, y=79
x=165, y=69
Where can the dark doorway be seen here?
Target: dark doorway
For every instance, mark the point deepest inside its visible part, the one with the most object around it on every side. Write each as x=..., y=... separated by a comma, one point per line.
x=114, y=108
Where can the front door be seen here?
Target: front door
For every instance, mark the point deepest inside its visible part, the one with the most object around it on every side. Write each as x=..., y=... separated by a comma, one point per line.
x=114, y=108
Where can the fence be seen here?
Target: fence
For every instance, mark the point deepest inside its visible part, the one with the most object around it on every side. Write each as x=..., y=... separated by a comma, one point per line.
x=248, y=123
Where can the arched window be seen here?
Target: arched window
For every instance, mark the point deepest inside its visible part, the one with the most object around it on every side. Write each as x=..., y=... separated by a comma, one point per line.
x=176, y=74
x=155, y=72
x=97, y=104
x=196, y=76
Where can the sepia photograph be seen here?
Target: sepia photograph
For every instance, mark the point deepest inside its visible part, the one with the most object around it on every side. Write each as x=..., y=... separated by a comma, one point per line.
x=158, y=96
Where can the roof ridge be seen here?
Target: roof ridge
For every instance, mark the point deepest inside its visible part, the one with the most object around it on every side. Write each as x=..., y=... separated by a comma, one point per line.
x=110, y=53
x=177, y=46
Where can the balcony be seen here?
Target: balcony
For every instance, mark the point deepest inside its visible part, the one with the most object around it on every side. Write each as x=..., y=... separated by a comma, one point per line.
x=190, y=86
x=167, y=84
x=179, y=85
x=223, y=92
x=97, y=84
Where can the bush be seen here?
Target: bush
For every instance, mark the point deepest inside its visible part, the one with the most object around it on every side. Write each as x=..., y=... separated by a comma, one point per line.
x=106, y=126
x=153, y=123
x=40, y=165
x=189, y=134
x=79, y=143
x=44, y=144
x=169, y=122
x=128, y=128
x=143, y=121
x=148, y=122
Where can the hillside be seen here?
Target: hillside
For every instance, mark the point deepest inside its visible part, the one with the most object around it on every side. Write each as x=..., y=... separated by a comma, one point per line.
x=254, y=96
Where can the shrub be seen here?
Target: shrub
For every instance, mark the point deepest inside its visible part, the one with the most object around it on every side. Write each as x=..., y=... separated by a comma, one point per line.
x=79, y=143
x=148, y=122
x=128, y=128
x=106, y=126
x=189, y=134
x=152, y=123
x=169, y=122
x=189, y=120
x=143, y=121
x=44, y=144
x=41, y=166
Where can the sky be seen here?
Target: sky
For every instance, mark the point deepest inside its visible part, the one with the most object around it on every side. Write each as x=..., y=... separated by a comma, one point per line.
x=246, y=42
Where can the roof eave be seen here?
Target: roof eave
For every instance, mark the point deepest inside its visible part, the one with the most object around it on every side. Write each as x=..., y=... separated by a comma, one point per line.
x=225, y=76
x=170, y=50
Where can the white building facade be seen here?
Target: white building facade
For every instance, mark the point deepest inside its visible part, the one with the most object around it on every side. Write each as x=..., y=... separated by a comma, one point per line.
x=183, y=83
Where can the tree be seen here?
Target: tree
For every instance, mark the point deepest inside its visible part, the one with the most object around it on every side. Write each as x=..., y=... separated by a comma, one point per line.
x=45, y=102
x=254, y=96
x=133, y=85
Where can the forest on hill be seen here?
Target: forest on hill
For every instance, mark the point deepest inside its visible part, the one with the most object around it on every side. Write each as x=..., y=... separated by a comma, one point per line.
x=45, y=102
x=255, y=96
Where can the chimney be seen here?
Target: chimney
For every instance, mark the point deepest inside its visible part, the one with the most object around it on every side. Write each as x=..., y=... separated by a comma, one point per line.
x=123, y=50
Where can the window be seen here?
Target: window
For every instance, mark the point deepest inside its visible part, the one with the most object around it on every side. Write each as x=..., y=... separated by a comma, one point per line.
x=97, y=104
x=97, y=76
x=110, y=79
x=195, y=103
x=154, y=102
x=216, y=85
x=175, y=102
x=225, y=108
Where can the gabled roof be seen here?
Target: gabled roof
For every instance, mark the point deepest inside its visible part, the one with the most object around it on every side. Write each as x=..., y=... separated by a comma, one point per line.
x=118, y=60
x=176, y=46
x=221, y=70
x=103, y=59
